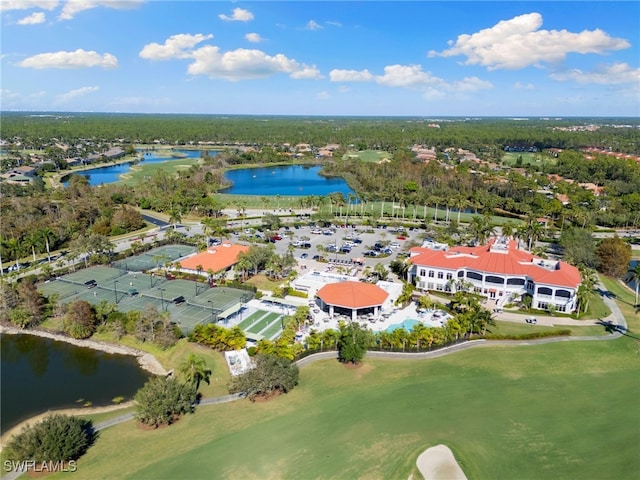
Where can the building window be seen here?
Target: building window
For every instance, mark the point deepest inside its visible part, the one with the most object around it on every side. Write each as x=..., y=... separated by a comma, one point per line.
x=460, y=274
x=449, y=276
x=430, y=273
x=440, y=287
x=440, y=274
x=423, y=272
x=561, y=308
x=543, y=305
x=545, y=291
x=429, y=286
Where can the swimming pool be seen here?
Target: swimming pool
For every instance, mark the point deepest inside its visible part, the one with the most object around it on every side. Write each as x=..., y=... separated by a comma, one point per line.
x=407, y=324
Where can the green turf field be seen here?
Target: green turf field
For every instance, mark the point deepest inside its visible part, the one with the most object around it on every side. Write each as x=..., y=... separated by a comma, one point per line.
x=263, y=322
x=272, y=331
x=244, y=324
x=562, y=410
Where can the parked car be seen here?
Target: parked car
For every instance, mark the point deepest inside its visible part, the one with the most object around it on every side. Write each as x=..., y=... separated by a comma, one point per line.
x=531, y=320
x=304, y=255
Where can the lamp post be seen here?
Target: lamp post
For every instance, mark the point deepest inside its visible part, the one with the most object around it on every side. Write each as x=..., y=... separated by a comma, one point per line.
x=162, y=299
x=211, y=303
x=115, y=292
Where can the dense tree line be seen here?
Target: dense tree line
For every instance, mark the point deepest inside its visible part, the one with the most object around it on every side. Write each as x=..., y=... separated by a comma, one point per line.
x=385, y=133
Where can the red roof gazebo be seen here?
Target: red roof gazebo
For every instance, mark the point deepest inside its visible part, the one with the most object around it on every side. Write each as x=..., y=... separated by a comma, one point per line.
x=352, y=296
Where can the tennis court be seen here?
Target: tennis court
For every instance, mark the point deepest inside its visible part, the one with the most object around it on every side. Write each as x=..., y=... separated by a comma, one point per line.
x=189, y=303
x=155, y=258
x=99, y=274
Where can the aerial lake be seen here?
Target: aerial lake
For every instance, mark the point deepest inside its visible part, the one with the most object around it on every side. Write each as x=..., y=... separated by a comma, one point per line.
x=291, y=180
x=112, y=173
x=40, y=374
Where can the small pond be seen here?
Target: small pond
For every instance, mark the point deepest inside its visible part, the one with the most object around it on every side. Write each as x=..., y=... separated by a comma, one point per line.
x=39, y=374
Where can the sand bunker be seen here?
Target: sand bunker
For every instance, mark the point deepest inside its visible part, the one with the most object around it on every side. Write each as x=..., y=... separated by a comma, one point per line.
x=438, y=463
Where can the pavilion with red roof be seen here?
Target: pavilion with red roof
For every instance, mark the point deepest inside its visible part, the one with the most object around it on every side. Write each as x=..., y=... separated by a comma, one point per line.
x=352, y=297
x=214, y=259
x=499, y=271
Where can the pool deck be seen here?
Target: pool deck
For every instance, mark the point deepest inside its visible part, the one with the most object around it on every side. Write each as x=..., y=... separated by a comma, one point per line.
x=323, y=322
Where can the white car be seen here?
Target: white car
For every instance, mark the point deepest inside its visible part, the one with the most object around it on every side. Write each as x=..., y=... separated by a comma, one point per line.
x=316, y=231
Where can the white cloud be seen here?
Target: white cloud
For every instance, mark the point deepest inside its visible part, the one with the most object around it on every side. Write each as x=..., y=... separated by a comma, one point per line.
x=72, y=94
x=468, y=84
x=27, y=4
x=307, y=72
x=246, y=64
x=412, y=76
x=405, y=76
x=176, y=46
x=33, y=19
x=78, y=59
x=519, y=43
x=313, y=25
x=324, y=95
x=253, y=37
x=239, y=15
x=523, y=86
x=614, y=74
x=337, y=75
x=73, y=7
x=334, y=24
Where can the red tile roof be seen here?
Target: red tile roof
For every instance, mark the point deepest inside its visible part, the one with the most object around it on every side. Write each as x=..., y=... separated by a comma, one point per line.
x=511, y=261
x=215, y=258
x=352, y=295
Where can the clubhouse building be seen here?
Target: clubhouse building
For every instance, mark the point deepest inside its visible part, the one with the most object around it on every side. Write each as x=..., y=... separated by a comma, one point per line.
x=499, y=271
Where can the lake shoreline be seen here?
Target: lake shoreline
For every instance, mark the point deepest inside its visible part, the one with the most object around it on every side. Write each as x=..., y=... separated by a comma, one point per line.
x=146, y=360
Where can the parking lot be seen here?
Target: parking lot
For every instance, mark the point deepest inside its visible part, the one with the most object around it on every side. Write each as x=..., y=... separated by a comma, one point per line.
x=341, y=244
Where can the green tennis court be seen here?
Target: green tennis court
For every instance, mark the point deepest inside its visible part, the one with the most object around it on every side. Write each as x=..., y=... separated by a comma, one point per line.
x=155, y=258
x=136, y=291
x=99, y=274
x=60, y=288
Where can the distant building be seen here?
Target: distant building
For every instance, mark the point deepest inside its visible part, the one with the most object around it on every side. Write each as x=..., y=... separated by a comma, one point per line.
x=499, y=271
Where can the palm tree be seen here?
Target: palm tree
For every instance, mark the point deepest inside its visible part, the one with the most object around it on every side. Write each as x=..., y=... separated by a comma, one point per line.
x=47, y=235
x=175, y=216
x=33, y=241
x=508, y=229
x=633, y=277
x=194, y=369
x=15, y=250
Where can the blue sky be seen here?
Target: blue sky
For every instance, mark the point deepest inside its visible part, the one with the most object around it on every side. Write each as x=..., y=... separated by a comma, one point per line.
x=322, y=58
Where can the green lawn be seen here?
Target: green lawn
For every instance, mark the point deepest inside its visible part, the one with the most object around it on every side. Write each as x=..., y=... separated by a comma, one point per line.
x=142, y=172
x=511, y=158
x=562, y=410
x=368, y=155
x=511, y=328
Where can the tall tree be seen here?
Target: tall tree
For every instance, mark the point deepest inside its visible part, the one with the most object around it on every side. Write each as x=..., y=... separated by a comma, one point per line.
x=352, y=343
x=614, y=256
x=194, y=370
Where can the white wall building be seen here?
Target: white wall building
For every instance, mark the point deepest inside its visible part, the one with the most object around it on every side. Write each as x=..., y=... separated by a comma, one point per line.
x=498, y=271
